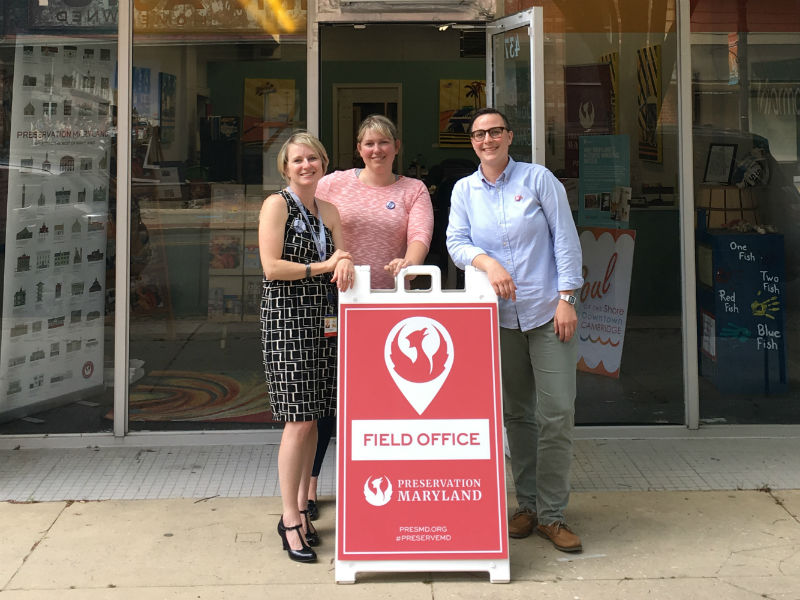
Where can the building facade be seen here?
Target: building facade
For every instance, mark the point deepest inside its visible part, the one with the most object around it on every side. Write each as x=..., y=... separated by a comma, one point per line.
x=132, y=283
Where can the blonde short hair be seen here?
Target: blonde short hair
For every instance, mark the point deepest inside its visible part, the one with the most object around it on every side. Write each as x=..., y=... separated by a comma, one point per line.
x=380, y=124
x=304, y=138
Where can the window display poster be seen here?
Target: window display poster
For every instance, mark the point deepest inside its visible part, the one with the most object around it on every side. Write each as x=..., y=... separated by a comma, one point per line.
x=612, y=60
x=269, y=105
x=57, y=221
x=743, y=313
x=648, y=99
x=590, y=106
x=167, y=86
x=603, y=307
x=604, y=166
x=142, y=94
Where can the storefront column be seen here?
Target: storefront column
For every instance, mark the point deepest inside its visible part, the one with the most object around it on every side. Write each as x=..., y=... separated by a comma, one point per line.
x=312, y=69
x=686, y=182
x=122, y=300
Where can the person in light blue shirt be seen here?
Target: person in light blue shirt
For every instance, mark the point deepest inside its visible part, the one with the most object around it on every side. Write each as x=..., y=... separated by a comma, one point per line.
x=512, y=220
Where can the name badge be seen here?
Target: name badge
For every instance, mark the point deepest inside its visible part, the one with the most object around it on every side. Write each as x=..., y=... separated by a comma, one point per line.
x=331, y=325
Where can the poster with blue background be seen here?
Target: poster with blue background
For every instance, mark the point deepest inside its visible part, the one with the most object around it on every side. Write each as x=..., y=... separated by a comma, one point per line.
x=604, y=165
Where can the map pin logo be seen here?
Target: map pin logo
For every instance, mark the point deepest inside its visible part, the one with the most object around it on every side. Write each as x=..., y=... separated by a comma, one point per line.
x=419, y=355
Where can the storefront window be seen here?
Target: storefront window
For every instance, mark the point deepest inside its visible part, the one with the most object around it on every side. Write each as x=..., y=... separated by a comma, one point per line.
x=611, y=137
x=57, y=177
x=215, y=93
x=746, y=133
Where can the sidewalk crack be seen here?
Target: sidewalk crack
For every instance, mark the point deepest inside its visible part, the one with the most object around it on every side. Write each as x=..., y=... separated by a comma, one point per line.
x=779, y=502
x=44, y=534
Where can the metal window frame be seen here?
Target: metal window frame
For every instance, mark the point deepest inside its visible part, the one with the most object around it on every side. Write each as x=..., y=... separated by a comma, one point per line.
x=534, y=19
x=691, y=384
x=122, y=299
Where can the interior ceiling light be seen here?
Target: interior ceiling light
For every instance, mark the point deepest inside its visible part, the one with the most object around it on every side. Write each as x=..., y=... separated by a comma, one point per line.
x=272, y=18
x=444, y=26
x=359, y=26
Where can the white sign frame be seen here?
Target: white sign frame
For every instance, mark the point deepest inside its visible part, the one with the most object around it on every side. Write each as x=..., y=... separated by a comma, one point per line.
x=477, y=290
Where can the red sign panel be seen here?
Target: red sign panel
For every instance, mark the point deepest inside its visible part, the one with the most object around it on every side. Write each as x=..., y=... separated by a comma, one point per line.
x=420, y=448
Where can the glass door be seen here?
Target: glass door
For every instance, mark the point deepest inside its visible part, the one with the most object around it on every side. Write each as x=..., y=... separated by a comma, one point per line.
x=609, y=134
x=514, y=59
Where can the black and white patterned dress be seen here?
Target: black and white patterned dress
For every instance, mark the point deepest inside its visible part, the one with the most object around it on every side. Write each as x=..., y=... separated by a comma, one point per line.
x=299, y=361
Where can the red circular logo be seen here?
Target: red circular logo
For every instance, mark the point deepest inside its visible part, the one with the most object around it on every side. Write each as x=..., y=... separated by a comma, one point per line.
x=88, y=369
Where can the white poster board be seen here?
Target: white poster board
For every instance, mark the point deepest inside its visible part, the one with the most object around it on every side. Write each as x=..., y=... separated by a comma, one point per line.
x=603, y=308
x=57, y=222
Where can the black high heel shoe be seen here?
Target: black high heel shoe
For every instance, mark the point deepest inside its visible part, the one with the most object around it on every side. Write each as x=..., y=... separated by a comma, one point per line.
x=313, y=510
x=312, y=539
x=305, y=554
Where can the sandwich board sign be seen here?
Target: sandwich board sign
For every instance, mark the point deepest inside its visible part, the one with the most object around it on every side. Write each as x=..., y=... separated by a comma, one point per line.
x=420, y=465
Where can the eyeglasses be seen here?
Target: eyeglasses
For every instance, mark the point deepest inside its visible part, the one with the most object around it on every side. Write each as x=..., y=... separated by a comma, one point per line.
x=480, y=134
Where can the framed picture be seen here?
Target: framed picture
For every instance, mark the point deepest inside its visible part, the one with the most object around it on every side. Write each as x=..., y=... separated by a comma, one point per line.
x=167, y=86
x=720, y=163
x=459, y=99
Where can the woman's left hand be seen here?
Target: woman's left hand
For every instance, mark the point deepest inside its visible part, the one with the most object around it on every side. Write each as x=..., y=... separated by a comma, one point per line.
x=396, y=265
x=344, y=274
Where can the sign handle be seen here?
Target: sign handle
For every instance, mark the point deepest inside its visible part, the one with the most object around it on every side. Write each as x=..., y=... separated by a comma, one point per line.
x=476, y=284
x=430, y=270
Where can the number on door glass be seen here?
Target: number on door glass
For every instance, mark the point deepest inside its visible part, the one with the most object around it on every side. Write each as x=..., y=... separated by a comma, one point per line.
x=512, y=45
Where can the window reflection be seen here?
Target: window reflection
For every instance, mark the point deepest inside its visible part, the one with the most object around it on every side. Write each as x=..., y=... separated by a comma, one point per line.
x=747, y=176
x=57, y=149
x=209, y=115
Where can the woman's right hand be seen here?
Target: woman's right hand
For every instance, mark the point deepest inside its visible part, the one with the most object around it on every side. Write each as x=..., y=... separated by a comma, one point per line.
x=334, y=258
x=501, y=281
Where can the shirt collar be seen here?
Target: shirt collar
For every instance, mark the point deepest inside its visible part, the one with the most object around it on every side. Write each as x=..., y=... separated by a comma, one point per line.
x=504, y=176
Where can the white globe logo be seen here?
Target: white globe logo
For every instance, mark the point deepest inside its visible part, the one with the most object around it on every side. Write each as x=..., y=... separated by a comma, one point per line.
x=376, y=492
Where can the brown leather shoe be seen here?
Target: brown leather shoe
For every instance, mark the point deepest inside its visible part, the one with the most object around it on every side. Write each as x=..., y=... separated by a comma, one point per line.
x=561, y=535
x=522, y=523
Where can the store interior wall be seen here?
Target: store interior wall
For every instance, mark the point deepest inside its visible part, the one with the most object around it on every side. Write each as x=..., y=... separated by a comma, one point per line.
x=417, y=56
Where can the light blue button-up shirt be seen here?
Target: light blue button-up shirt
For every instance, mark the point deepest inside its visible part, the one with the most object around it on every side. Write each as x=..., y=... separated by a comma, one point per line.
x=524, y=222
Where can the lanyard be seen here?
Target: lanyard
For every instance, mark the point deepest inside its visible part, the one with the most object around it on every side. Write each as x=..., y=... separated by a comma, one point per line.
x=319, y=239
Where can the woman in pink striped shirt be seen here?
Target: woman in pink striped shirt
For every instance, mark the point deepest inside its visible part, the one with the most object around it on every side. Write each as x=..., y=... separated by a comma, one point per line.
x=387, y=223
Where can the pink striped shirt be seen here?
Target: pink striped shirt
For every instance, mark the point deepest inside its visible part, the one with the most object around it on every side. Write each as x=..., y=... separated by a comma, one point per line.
x=379, y=223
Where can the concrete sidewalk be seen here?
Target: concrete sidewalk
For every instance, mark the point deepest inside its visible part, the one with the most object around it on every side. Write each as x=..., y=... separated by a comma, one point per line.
x=669, y=544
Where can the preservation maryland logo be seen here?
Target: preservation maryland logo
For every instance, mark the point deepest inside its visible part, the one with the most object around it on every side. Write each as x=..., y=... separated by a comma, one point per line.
x=378, y=490
x=419, y=355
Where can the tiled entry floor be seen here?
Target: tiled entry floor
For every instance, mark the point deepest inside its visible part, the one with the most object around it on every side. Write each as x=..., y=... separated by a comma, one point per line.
x=251, y=470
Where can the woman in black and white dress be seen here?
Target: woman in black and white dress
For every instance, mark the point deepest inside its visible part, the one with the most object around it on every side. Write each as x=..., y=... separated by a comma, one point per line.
x=299, y=238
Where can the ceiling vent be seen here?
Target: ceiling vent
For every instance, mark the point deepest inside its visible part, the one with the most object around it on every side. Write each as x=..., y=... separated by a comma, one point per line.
x=473, y=44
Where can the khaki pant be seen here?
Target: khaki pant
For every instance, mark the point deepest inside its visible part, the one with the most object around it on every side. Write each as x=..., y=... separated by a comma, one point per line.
x=538, y=374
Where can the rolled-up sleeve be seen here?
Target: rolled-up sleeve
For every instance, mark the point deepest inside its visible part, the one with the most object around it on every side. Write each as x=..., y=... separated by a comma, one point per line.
x=566, y=243
x=459, y=230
